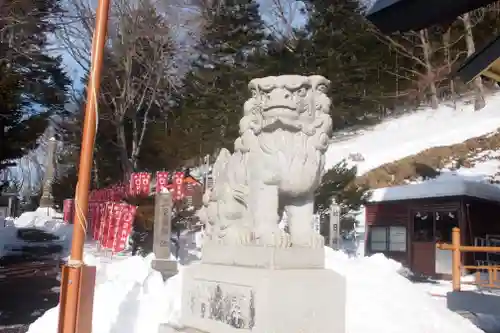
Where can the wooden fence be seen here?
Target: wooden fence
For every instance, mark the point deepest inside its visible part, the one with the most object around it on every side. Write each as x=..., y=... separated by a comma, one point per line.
x=457, y=249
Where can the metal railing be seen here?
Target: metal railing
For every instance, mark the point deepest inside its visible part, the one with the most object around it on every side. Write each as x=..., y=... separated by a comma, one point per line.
x=492, y=271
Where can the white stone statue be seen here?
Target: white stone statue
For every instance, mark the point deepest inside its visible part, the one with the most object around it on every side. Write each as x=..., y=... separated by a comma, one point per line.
x=251, y=274
x=276, y=166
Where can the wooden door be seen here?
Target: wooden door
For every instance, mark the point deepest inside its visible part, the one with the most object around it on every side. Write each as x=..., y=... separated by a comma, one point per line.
x=424, y=258
x=423, y=242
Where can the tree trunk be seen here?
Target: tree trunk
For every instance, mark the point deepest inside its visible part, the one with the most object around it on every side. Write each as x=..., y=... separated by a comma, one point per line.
x=122, y=145
x=427, y=50
x=135, y=143
x=479, y=101
x=96, y=173
x=447, y=56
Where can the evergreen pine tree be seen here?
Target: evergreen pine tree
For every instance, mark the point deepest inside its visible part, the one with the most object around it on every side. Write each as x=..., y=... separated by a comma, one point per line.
x=343, y=48
x=339, y=184
x=214, y=90
x=33, y=84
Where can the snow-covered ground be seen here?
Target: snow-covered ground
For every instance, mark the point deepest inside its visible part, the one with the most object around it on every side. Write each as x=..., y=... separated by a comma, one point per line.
x=132, y=298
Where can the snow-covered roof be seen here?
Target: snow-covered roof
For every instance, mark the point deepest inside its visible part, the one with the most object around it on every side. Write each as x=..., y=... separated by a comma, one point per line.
x=438, y=189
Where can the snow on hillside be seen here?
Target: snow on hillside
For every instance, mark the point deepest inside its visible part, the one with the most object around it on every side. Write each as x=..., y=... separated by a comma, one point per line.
x=480, y=180
x=412, y=133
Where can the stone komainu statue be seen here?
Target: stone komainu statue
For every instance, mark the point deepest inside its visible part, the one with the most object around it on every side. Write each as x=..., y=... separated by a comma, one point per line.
x=276, y=166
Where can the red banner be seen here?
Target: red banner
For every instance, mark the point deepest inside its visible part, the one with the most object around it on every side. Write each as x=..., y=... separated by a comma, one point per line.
x=68, y=210
x=120, y=192
x=161, y=181
x=96, y=217
x=90, y=215
x=123, y=228
x=135, y=183
x=140, y=183
x=105, y=222
x=146, y=184
x=100, y=210
x=112, y=224
x=179, y=186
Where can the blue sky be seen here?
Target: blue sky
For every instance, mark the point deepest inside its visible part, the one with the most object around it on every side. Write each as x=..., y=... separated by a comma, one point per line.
x=75, y=71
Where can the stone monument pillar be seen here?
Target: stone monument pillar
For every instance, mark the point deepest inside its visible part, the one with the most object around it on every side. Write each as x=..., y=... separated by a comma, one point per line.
x=47, y=200
x=334, y=234
x=254, y=276
x=162, y=232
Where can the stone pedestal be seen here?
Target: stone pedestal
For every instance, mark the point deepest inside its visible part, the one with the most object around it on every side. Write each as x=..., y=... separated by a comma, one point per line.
x=229, y=299
x=166, y=267
x=263, y=256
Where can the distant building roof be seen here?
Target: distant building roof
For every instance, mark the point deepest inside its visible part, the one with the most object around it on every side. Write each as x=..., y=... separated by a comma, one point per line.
x=437, y=189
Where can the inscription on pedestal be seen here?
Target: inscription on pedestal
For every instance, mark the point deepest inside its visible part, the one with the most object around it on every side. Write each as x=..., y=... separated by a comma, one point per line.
x=229, y=304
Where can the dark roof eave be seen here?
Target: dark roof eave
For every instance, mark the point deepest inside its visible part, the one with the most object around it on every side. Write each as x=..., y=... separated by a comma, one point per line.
x=479, y=61
x=405, y=15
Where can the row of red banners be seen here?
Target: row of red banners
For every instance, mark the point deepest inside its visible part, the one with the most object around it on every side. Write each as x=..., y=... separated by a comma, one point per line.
x=140, y=185
x=110, y=220
x=109, y=223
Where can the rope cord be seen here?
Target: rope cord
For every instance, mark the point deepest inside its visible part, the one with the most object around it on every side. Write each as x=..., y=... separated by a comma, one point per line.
x=82, y=216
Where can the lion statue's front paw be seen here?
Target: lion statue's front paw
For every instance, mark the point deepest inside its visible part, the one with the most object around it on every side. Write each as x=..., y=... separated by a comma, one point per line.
x=246, y=236
x=310, y=239
x=274, y=237
x=238, y=236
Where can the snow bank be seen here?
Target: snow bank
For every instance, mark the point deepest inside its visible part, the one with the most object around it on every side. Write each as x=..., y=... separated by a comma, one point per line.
x=130, y=297
x=381, y=300
x=44, y=219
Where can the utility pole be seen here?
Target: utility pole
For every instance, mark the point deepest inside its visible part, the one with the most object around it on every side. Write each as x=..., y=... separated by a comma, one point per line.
x=78, y=280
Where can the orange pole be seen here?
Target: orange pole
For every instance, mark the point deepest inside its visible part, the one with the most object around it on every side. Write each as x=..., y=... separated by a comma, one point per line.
x=455, y=259
x=69, y=312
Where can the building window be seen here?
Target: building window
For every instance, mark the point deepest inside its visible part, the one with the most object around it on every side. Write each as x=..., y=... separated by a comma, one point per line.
x=445, y=222
x=423, y=227
x=397, y=239
x=378, y=239
x=388, y=239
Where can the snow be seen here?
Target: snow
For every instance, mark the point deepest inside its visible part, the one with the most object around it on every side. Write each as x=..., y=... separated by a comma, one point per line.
x=379, y=299
x=130, y=297
x=478, y=181
x=438, y=188
x=412, y=133
x=43, y=219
